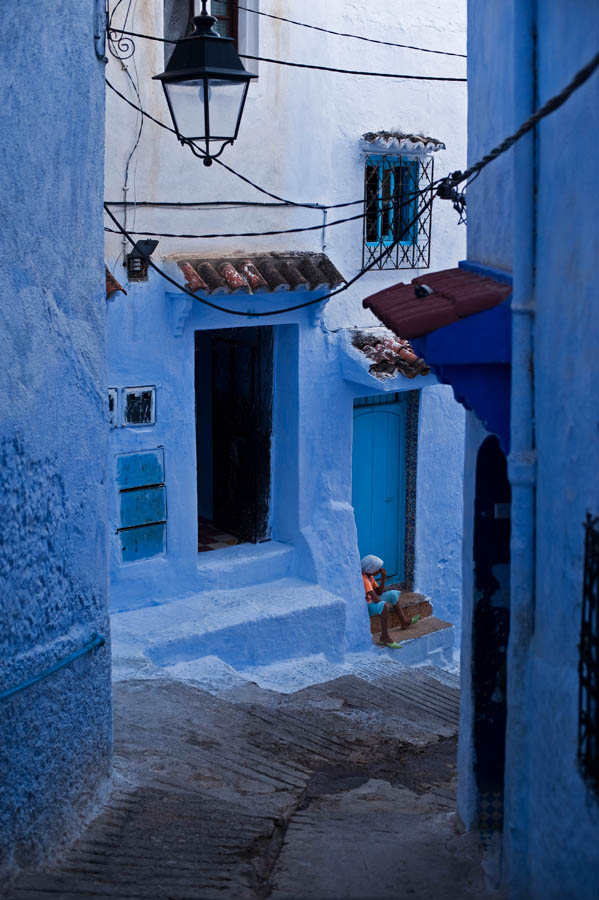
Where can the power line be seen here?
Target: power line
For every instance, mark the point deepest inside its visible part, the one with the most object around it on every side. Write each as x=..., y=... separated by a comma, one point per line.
x=445, y=191
x=405, y=200
x=277, y=312
x=191, y=204
x=244, y=178
x=318, y=227
x=357, y=37
x=230, y=168
x=296, y=65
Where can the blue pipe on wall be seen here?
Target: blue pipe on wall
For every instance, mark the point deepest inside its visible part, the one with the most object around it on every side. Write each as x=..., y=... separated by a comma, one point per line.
x=522, y=458
x=94, y=644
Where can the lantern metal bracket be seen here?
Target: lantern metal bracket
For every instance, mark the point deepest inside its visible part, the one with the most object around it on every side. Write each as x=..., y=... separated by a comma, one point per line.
x=204, y=155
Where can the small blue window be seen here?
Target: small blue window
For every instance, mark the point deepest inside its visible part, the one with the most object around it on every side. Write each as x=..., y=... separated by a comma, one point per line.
x=391, y=187
x=395, y=214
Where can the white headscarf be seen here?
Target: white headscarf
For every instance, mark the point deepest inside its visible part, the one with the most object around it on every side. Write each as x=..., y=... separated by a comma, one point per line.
x=371, y=564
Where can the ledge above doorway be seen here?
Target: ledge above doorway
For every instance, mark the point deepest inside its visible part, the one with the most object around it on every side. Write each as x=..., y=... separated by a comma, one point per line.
x=379, y=360
x=253, y=274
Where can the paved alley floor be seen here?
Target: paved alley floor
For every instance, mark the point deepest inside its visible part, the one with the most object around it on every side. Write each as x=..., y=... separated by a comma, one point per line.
x=337, y=791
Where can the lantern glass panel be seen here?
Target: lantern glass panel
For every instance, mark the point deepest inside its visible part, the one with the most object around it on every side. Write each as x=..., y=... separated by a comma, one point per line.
x=187, y=100
x=225, y=105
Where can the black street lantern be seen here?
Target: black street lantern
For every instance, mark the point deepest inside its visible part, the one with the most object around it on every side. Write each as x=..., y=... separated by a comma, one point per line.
x=205, y=84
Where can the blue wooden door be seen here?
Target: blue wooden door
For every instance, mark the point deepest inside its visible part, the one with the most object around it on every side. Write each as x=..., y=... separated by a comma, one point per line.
x=379, y=481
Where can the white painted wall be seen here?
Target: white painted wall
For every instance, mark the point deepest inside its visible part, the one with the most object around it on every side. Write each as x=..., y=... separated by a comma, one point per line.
x=300, y=132
x=299, y=138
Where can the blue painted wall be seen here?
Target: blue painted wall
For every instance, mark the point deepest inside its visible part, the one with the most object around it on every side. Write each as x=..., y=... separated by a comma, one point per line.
x=550, y=840
x=439, y=491
x=56, y=736
x=311, y=492
x=567, y=419
x=490, y=88
x=311, y=507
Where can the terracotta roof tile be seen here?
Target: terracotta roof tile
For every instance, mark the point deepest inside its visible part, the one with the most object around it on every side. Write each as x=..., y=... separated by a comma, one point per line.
x=456, y=293
x=112, y=285
x=397, y=141
x=390, y=355
x=270, y=273
x=252, y=275
x=192, y=277
x=236, y=281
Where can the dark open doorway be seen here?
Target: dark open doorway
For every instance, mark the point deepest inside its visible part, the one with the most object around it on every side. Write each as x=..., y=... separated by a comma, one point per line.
x=234, y=393
x=491, y=625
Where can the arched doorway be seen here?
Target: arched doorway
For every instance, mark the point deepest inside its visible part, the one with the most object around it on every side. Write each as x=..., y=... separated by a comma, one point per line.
x=491, y=622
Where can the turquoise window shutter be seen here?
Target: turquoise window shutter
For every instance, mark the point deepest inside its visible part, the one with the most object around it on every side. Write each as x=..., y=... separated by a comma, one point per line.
x=142, y=543
x=140, y=469
x=142, y=504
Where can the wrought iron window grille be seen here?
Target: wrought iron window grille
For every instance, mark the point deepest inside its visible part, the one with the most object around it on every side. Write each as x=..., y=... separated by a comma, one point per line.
x=588, y=665
x=392, y=201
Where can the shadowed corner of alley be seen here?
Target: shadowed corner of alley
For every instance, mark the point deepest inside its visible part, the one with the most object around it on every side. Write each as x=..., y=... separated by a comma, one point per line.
x=342, y=790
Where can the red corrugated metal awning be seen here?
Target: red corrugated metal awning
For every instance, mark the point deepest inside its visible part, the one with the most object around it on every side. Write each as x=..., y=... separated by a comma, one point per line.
x=456, y=293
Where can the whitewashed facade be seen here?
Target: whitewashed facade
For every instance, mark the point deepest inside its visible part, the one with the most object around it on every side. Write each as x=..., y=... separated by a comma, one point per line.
x=301, y=138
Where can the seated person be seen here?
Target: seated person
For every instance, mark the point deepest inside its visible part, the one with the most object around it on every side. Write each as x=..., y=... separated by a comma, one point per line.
x=379, y=600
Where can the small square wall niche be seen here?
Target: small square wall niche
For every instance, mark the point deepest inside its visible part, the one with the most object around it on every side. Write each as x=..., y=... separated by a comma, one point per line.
x=139, y=405
x=113, y=396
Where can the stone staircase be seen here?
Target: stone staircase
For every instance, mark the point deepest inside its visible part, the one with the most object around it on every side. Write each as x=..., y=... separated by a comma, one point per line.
x=278, y=619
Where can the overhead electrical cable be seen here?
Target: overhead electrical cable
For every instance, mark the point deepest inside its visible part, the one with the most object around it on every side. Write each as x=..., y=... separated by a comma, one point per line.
x=191, y=204
x=298, y=65
x=455, y=178
x=357, y=37
x=277, y=312
x=406, y=200
x=233, y=171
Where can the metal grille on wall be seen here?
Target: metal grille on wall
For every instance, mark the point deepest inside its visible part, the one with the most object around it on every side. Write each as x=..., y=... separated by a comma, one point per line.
x=394, y=211
x=379, y=399
x=588, y=666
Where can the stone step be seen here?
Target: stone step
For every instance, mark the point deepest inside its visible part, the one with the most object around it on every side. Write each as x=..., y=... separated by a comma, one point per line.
x=230, y=567
x=430, y=639
x=274, y=620
x=411, y=603
x=244, y=564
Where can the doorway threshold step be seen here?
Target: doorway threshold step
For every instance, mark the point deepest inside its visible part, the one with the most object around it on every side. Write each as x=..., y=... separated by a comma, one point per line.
x=244, y=564
x=253, y=625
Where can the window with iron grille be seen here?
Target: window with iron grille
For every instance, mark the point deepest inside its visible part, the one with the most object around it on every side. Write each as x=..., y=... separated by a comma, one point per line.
x=226, y=14
x=588, y=664
x=396, y=189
